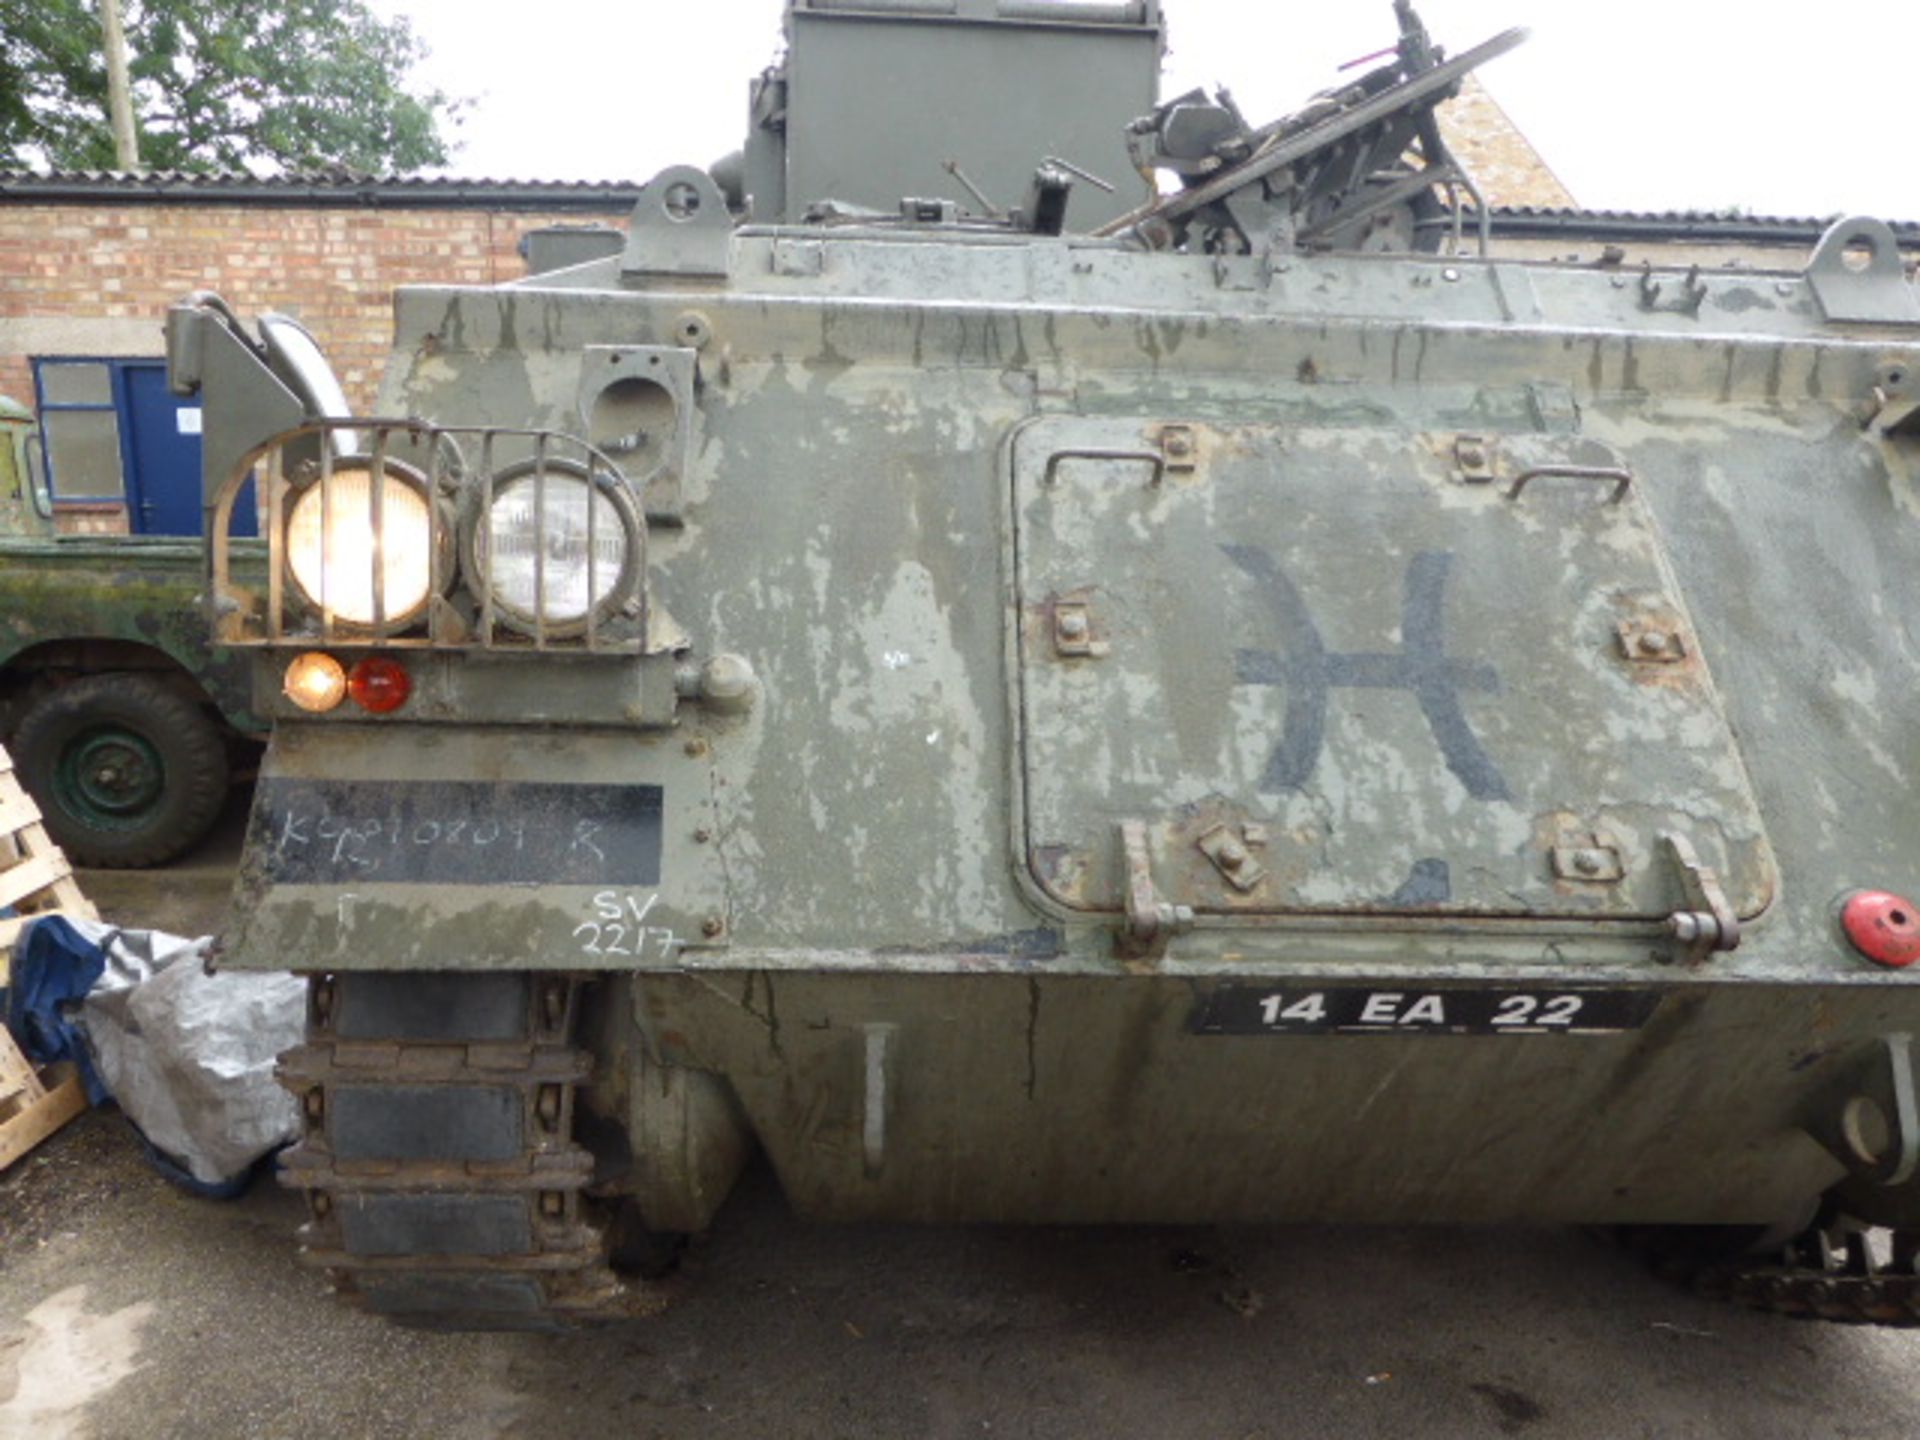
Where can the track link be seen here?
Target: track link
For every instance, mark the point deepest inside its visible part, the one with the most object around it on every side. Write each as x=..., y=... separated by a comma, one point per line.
x=1829, y=1272
x=444, y=1187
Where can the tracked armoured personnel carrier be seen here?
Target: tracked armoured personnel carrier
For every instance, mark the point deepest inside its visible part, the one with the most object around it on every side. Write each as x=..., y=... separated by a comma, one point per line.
x=1034, y=702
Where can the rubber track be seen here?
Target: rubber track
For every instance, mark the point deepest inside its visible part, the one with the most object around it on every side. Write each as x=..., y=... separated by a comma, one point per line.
x=443, y=1183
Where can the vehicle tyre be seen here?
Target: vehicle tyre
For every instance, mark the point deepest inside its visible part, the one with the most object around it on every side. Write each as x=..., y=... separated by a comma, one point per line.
x=128, y=772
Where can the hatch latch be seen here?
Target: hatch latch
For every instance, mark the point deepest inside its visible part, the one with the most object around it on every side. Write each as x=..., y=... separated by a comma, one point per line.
x=1710, y=923
x=1649, y=640
x=1591, y=858
x=1179, y=448
x=1473, y=459
x=1231, y=851
x=1151, y=922
x=1073, y=636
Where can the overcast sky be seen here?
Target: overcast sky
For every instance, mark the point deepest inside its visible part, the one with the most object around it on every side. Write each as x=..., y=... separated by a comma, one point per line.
x=1636, y=104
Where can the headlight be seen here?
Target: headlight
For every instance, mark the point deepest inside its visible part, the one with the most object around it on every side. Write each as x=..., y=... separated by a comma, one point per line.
x=335, y=569
x=544, y=566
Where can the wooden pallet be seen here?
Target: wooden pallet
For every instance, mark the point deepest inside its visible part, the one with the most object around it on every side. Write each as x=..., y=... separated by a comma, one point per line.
x=33, y=1103
x=35, y=879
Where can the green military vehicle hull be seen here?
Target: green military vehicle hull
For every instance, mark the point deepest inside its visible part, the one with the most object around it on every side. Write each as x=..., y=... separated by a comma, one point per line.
x=1131, y=728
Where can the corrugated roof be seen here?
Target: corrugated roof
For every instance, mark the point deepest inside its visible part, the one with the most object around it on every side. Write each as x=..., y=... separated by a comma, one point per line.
x=1678, y=225
x=320, y=188
x=348, y=188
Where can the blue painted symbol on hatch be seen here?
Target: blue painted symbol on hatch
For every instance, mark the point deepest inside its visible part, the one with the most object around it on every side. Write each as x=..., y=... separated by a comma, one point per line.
x=1309, y=672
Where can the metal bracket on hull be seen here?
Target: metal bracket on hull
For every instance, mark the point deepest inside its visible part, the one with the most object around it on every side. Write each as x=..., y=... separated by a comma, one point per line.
x=680, y=226
x=1870, y=1120
x=1857, y=275
x=1896, y=400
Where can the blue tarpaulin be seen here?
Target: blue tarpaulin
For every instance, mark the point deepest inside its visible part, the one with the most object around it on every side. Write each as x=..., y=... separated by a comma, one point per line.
x=54, y=966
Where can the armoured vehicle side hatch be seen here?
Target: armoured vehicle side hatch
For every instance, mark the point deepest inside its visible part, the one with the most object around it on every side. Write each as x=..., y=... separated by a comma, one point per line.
x=1357, y=671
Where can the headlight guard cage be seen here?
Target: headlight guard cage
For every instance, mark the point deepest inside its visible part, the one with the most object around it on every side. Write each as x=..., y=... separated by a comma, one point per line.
x=455, y=464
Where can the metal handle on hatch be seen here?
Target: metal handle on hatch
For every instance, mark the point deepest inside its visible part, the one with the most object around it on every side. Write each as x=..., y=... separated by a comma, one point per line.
x=1621, y=480
x=1143, y=457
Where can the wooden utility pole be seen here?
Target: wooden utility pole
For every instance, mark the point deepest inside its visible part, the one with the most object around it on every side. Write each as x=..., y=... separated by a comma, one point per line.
x=126, y=148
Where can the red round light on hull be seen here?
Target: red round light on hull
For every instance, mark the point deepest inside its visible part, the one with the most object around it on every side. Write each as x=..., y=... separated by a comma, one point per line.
x=1882, y=927
x=379, y=685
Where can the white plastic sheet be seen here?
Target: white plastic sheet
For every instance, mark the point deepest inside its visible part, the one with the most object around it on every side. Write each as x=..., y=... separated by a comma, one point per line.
x=189, y=1056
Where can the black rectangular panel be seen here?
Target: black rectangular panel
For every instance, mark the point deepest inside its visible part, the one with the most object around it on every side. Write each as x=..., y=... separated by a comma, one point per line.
x=433, y=1224
x=1294, y=1009
x=426, y=1122
x=326, y=832
x=458, y=1006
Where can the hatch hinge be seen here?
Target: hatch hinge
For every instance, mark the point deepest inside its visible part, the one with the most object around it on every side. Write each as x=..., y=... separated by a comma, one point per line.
x=1150, y=922
x=1710, y=924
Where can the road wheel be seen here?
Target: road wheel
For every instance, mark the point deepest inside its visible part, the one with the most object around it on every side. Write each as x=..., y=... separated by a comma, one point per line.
x=128, y=772
x=635, y=1250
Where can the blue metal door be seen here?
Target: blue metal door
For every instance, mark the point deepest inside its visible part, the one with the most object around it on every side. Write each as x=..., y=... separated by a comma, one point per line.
x=160, y=442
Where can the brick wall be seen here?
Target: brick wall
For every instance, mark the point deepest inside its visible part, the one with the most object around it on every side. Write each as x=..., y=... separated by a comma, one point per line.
x=1502, y=161
x=97, y=278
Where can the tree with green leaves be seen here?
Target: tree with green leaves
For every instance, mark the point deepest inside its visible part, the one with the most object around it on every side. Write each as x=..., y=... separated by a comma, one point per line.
x=220, y=85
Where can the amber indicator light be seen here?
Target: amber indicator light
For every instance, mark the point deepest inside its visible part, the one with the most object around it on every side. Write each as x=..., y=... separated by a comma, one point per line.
x=1884, y=928
x=378, y=685
x=315, y=682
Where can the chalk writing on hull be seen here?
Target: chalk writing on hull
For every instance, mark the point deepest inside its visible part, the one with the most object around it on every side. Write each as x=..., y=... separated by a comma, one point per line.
x=457, y=832
x=619, y=929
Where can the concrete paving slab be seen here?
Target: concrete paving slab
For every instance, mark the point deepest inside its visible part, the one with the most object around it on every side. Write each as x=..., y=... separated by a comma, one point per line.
x=160, y=1315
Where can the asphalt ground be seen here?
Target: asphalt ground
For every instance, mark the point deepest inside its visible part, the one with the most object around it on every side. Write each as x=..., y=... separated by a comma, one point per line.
x=129, y=1309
